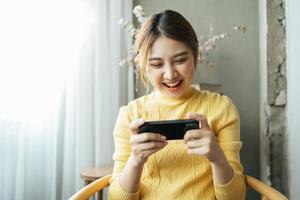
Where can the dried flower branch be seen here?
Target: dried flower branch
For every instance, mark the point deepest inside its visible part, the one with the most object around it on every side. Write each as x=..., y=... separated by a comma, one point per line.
x=205, y=45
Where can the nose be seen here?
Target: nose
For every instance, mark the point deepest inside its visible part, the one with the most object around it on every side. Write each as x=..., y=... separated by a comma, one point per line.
x=170, y=72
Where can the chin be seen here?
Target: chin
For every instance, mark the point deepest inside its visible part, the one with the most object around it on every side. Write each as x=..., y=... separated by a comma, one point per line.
x=173, y=95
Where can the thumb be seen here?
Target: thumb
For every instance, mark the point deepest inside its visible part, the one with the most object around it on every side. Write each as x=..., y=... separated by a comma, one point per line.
x=200, y=118
x=134, y=125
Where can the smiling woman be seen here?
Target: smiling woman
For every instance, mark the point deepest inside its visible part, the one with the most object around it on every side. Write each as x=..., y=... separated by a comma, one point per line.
x=205, y=163
x=235, y=61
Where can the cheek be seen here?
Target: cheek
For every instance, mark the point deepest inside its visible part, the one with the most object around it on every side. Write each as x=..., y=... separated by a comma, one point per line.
x=154, y=76
x=188, y=71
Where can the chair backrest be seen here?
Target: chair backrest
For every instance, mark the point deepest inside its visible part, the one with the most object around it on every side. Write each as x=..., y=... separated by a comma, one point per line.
x=267, y=192
x=89, y=190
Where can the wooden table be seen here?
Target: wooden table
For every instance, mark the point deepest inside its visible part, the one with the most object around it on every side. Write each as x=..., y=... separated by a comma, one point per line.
x=95, y=172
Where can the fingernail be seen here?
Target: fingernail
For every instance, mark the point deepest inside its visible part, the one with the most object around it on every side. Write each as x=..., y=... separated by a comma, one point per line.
x=163, y=137
x=141, y=120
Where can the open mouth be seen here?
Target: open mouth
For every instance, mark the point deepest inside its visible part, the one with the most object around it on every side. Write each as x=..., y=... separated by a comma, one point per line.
x=173, y=84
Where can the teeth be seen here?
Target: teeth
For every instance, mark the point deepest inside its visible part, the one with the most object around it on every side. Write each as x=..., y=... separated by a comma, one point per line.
x=172, y=84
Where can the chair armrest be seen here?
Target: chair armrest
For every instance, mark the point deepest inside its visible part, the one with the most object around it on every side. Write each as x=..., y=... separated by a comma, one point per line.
x=92, y=188
x=263, y=189
x=251, y=182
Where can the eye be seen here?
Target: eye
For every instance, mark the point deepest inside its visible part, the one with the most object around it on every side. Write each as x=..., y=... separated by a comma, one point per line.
x=155, y=65
x=180, y=61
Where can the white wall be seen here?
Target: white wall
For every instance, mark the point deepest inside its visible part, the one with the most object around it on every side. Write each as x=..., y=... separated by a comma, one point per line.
x=293, y=92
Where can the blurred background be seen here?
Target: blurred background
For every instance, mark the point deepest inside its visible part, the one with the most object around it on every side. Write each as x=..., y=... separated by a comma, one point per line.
x=61, y=86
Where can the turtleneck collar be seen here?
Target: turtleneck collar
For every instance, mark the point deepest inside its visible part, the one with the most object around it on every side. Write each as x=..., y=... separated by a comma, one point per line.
x=168, y=101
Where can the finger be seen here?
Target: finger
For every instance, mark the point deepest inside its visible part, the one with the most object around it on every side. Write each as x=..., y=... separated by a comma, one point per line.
x=196, y=143
x=200, y=118
x=193, y=134
x=134, y=125
x=198, y=151
x=147, y=137
x=151, y=145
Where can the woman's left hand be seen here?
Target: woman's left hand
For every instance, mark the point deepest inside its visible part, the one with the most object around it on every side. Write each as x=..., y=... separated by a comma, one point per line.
x=203, y=141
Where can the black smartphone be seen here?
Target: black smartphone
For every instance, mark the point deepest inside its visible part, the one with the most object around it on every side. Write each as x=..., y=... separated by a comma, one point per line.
x=172, y=129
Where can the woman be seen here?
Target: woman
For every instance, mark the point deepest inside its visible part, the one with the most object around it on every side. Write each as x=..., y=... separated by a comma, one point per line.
x=205, y=164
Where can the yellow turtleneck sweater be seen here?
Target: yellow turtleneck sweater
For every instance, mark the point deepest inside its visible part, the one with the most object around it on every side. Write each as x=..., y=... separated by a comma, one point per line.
x=172, y=173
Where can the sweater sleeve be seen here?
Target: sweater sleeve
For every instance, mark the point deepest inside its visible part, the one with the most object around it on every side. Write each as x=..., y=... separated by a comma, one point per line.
x=228, y=136
x=120, y=157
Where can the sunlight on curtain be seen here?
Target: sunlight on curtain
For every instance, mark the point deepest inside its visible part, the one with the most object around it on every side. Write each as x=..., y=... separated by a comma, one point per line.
x=40, y=42
x=60, y=90
x=40, y=46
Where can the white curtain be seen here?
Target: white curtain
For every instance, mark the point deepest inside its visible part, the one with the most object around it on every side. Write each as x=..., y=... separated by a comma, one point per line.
x=60, y=91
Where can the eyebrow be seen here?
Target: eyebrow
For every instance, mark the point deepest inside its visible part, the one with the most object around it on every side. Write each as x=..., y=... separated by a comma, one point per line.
x=176, y=55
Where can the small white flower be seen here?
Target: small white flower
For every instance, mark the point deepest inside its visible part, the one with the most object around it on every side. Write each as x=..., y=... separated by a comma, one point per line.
x=121, y=21
x=137, y=9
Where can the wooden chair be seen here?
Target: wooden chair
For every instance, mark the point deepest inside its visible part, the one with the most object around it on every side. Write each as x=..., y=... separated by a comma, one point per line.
x=93, y=173
x=267, y=192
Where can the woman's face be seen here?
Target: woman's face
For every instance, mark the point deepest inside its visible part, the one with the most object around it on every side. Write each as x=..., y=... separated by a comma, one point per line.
x=170, y=67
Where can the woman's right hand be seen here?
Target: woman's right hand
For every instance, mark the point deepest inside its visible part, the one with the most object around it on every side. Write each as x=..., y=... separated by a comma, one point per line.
x=144, y=144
